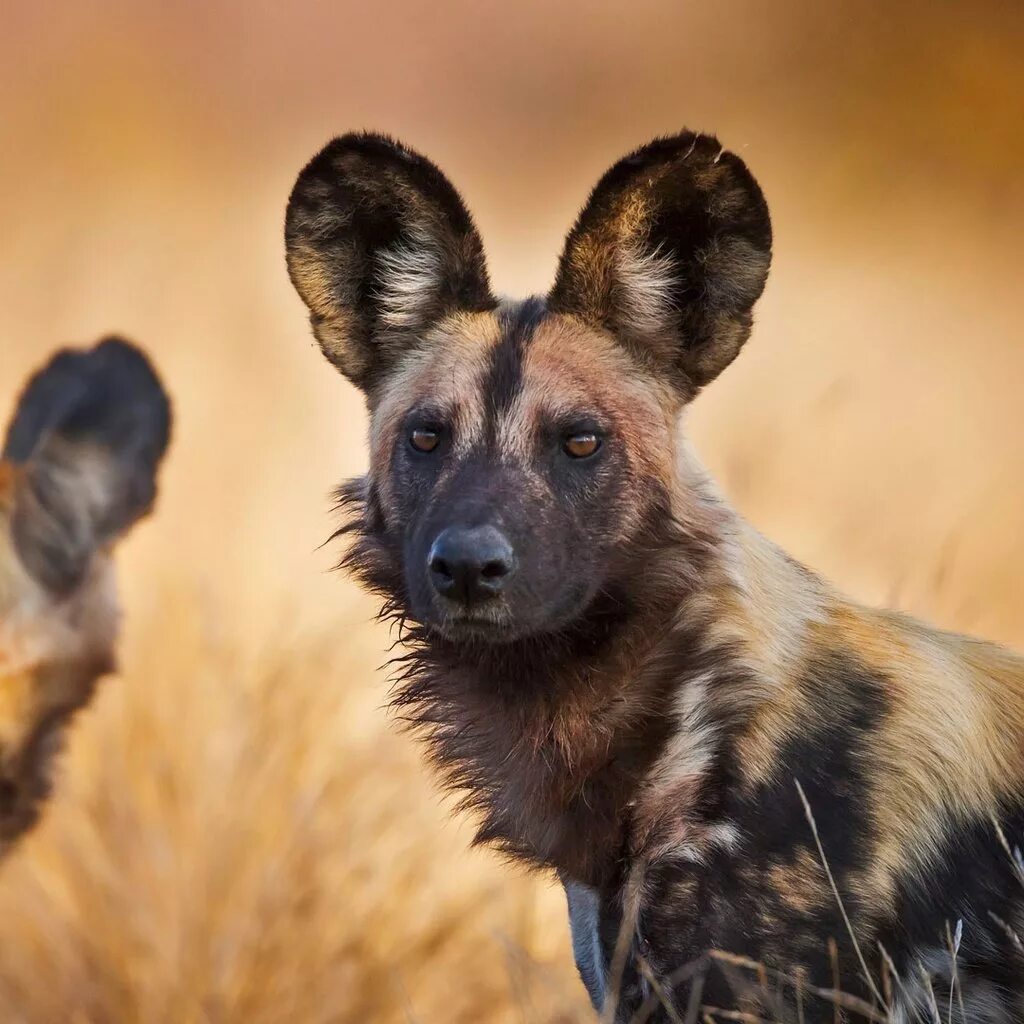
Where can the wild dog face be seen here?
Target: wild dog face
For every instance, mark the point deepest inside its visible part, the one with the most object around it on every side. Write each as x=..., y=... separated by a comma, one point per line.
x=78, y=468
x=522, y=452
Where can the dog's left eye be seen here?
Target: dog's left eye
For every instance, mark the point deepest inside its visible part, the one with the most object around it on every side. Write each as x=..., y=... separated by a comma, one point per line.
x=423, y=439
x=581, y=446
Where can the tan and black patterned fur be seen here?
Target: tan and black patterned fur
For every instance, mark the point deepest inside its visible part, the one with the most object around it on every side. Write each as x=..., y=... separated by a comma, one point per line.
x=636, y=708
x=78, y=468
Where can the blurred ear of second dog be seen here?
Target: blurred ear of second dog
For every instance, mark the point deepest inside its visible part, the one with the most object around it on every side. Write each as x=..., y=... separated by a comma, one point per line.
x=78, y=469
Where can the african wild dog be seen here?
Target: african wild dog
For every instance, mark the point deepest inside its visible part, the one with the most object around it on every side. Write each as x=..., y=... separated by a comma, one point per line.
x=624, y=679
x=78, y=468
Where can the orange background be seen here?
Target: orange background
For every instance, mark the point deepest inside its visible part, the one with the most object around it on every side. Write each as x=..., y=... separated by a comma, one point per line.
x=239, y=832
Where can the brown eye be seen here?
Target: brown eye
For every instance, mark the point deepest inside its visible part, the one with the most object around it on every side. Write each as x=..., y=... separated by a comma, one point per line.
x=580, y=446
x=424, y=440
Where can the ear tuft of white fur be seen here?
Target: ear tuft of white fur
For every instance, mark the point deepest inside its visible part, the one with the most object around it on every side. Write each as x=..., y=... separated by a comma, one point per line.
x=646, y=281
x=410, y=280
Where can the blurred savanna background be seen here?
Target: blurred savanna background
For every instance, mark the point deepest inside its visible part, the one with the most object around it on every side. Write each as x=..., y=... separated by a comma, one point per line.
x=239, y=833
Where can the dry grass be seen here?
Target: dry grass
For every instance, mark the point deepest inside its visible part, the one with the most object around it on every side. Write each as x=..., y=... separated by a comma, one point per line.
x=239, y=835
x=251, y=842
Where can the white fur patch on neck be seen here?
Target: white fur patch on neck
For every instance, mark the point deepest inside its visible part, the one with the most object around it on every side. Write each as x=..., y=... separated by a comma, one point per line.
x=410, y=278
x=673, y=782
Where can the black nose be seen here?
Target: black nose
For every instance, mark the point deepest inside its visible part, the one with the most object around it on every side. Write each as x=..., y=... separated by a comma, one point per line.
x=470, y=564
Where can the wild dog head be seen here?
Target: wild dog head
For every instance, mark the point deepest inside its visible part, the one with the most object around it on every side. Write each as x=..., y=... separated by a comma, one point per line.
x=78, y=468
x=521, y=452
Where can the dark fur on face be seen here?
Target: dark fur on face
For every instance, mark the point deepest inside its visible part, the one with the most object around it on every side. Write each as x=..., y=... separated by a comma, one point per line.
x=547, y=792
x=621, y=678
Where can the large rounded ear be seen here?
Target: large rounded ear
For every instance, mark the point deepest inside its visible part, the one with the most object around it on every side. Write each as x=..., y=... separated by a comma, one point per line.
x=670, y=254
x=88, y=435
x=380, y=247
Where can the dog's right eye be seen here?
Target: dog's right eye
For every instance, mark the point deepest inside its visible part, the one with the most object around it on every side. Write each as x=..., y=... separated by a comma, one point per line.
x=581, y=446
x=425, y=440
